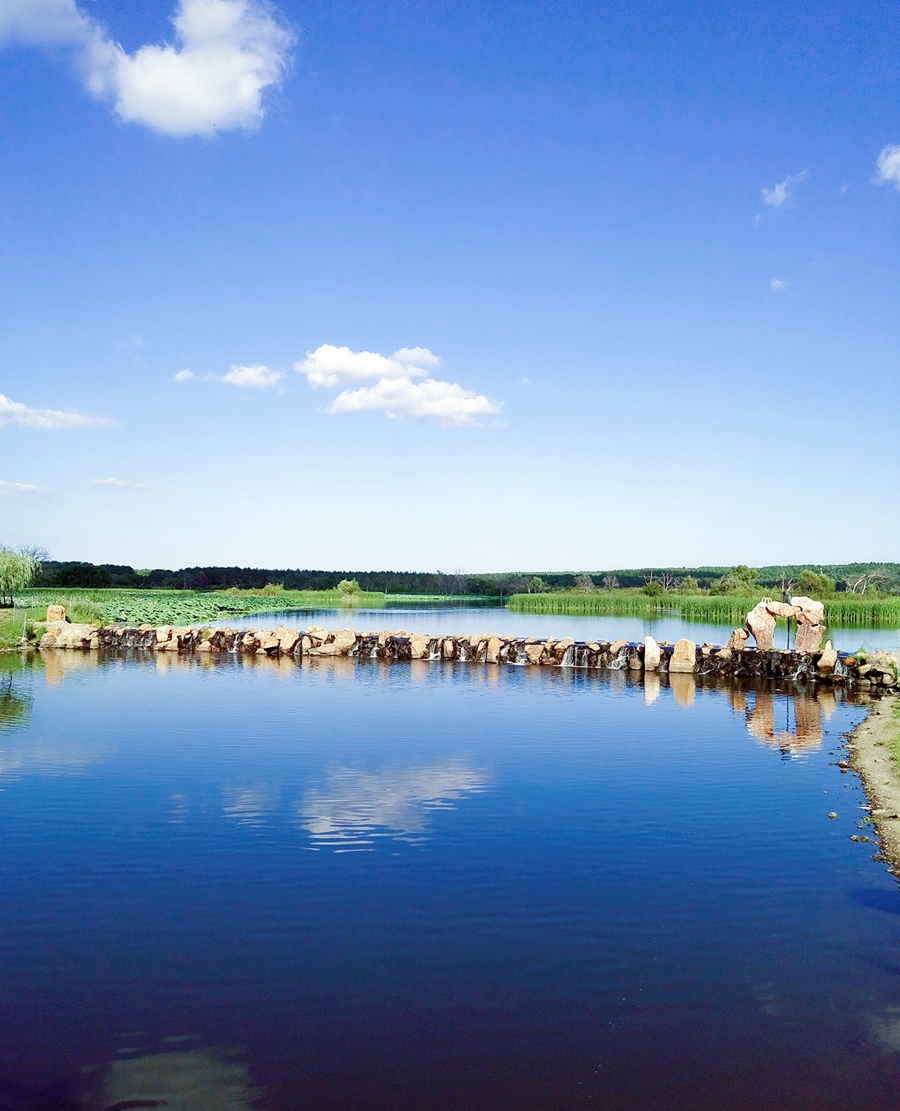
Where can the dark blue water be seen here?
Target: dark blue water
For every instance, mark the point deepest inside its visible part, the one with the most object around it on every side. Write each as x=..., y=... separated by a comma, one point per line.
x=374, y=886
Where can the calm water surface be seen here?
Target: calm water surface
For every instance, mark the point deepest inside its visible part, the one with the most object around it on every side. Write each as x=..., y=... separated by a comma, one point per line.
x=361, y=885
x=498, y=619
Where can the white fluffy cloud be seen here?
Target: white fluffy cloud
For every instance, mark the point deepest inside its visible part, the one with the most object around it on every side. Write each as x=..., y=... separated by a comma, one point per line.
x=888, y=167
x=256, y=377
x=446, y=402
x=339, y=366
x=394, y=393
x=14, y=412
x=778, y=284
x=121, y=483
x=778, y=194
x=18, y=489
x=226, y=54
x=183, y=376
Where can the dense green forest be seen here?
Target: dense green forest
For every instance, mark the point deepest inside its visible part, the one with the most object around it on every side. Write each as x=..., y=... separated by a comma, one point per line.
x=853, y=577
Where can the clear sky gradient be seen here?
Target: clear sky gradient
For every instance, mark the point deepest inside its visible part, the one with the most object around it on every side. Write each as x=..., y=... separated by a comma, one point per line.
x=647, y=252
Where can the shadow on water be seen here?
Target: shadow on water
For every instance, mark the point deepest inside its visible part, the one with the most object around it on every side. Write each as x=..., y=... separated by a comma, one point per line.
x=876, y=898
x=54, y=1097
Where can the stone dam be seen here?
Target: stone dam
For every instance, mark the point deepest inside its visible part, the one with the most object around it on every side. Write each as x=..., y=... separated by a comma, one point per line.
x=732, y=661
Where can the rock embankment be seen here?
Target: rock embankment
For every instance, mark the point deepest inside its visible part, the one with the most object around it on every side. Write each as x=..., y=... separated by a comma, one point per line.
x=734, y=660
x=871, y=756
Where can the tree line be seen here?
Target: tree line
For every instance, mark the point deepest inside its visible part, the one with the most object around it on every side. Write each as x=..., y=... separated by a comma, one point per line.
x=859, y=578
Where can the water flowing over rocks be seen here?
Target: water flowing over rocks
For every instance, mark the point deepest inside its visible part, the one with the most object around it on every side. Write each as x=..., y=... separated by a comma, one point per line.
x=733, y=661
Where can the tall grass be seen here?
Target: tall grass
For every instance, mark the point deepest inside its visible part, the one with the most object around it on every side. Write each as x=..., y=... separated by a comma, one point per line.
x=716, y=609
x=602, y=603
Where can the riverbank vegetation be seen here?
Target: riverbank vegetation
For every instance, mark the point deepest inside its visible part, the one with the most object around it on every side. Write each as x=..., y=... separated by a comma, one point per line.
x=183, y=607
x=854, y=594
x=862, y=612
x=727, y=599
x=18, y=570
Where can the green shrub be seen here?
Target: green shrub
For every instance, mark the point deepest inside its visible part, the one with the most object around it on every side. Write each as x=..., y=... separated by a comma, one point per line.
x=738, y=580
x=652, y=589
x=815, y=584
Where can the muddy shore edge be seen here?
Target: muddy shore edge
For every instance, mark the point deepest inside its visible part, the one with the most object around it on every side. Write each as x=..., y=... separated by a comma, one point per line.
x=871, y=757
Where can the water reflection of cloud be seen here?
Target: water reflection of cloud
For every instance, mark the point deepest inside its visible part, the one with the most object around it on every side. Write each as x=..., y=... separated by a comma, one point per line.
x=196, y=1080
x=250, y=805
x=41, y=758
x=884, y=1029
x=354, y=807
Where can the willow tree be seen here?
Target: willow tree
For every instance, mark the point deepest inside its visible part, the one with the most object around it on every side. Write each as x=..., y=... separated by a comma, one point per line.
x=17, y=571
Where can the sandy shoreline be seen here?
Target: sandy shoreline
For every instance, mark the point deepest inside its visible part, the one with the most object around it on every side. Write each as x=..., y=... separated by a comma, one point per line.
x=870, y=756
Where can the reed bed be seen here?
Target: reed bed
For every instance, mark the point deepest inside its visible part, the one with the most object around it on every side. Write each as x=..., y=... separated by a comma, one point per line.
x=716, y=609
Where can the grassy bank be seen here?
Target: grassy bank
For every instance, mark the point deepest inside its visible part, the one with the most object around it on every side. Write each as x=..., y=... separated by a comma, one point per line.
x=11, y=628
x=184, y=607
x=859, y=611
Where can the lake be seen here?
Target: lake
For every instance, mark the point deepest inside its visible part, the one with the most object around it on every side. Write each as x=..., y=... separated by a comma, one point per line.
x=448, y=619
x=238, y=882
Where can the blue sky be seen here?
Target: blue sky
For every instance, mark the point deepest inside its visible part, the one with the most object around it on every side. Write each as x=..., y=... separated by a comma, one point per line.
x=497, y=286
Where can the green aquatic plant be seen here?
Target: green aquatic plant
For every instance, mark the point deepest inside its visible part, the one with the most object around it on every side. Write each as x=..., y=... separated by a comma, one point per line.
x=184, y=607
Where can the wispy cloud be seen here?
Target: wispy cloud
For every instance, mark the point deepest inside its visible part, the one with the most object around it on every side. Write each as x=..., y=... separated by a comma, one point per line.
x=888, y=167
x=183, y=376
x=339, y=366
x=778, y=194
x=15, y=412
x=226, y=54
x=19, y=489
x=394, y=392
x=778, y=283
x=121, y=483
x=255, y=377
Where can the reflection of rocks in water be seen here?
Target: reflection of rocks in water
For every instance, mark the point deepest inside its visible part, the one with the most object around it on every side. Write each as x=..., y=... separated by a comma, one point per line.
x=884, y=1030
x=193, y=1081
x=15, y=705
x=652, y=686
x=355, y=807
x=683, y=687
x=59, y=664
x=770, y=719
x=248, y=805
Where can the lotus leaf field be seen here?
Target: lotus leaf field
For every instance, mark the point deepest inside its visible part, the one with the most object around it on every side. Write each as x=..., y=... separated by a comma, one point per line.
x=182, y=607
